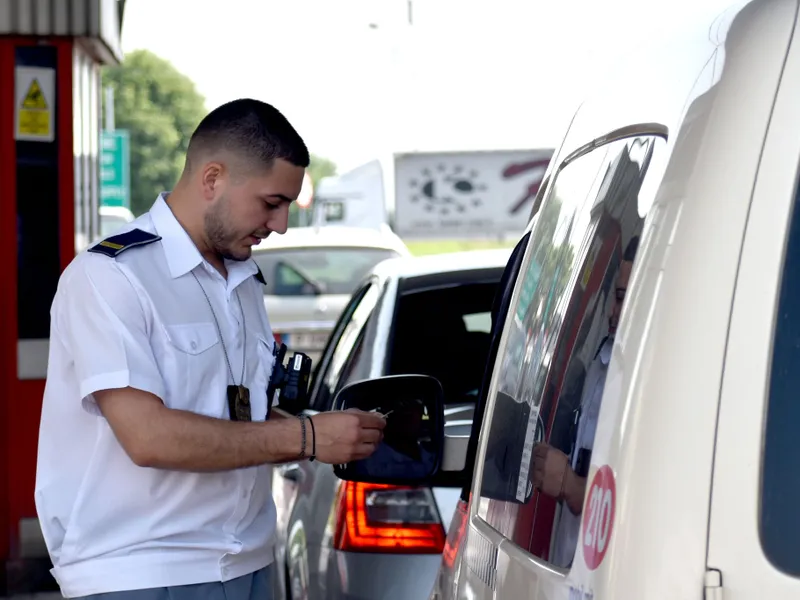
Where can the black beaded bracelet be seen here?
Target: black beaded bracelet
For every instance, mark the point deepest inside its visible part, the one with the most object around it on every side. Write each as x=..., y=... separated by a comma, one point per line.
x=313, y=440
x=303, y=431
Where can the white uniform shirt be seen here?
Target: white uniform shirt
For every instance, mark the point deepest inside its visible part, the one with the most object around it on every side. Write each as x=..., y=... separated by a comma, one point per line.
x=568, y=529
x=141, y=320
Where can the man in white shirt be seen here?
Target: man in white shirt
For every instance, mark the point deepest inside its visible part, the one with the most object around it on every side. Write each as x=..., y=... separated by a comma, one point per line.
x=153, y=477
x=564, y=477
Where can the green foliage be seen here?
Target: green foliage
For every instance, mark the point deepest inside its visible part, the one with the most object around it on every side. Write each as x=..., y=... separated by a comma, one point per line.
x=160, y=107
x=321, y=167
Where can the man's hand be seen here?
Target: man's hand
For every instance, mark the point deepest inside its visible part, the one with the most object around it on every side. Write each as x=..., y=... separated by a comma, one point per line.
x=346, y=436
x=549, y=470
x=554, y=477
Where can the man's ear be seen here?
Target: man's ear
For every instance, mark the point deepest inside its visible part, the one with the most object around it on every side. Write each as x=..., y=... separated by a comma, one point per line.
x=212, y=177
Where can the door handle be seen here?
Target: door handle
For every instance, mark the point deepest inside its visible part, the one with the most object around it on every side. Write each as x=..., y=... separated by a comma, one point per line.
x=292, y=472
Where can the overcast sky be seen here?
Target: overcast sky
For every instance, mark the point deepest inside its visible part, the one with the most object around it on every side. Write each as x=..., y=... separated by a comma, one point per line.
x=358, y=82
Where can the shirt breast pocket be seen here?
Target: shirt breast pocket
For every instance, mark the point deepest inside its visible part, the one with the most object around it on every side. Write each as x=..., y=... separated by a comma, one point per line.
x=193, y=376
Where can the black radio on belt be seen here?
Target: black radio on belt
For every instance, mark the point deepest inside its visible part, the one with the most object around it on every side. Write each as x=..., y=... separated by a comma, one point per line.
x=290, y=381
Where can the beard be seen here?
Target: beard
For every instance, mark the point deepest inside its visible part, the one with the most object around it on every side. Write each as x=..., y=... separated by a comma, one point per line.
x=221, y=238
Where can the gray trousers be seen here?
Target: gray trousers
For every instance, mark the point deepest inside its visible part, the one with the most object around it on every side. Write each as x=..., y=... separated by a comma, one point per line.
x=255, y=586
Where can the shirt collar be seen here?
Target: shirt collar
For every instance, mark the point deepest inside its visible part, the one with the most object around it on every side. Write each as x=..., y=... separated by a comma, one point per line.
x=182, y=255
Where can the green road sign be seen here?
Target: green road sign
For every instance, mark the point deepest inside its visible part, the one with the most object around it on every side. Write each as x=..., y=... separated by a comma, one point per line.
x=115, y=179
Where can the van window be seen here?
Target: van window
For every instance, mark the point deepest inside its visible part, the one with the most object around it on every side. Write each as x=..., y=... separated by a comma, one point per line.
x=557, y=344
x=780, y=491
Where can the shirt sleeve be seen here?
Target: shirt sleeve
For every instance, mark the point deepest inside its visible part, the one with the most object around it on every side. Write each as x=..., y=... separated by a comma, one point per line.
x=103, y=325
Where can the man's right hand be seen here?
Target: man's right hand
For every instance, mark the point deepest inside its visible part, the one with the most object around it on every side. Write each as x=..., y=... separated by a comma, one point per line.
x=346, y=436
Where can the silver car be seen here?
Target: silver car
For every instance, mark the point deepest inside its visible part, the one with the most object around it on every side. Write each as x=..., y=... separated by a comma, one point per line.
x=337, y=540
x=311, y=273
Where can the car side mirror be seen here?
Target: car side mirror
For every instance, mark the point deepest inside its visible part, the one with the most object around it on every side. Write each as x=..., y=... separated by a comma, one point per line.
x=412, y=446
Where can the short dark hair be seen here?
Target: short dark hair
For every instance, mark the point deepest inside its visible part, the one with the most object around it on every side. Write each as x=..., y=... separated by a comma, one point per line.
x=630, y=249
x=253, y=129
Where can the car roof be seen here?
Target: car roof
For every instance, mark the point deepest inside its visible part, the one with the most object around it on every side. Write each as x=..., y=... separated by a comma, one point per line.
x=450, y=262
x=337, y=236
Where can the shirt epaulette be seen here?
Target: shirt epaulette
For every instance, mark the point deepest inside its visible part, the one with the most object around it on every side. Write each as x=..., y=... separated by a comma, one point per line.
x=260, y=277
x=117, y=244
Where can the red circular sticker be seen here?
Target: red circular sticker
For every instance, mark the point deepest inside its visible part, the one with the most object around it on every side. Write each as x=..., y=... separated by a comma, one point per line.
x=598, y=520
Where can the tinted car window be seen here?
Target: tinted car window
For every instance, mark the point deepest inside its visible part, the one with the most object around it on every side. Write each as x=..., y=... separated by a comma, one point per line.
x=443, y=333
x=557, y=324
x=780, y=492
x=309, y=271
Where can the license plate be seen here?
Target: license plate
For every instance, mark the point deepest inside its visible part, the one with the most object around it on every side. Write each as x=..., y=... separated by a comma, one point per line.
x=305, y=341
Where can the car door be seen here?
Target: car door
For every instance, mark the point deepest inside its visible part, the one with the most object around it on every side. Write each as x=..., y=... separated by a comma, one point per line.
x=304, y=490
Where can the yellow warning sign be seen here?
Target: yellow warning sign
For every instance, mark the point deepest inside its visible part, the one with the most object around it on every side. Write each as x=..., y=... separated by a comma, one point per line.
x=35, y=97
x=35, y=103
x=34, y=122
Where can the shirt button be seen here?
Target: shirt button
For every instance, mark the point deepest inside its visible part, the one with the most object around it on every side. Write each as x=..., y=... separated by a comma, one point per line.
x=194, y=345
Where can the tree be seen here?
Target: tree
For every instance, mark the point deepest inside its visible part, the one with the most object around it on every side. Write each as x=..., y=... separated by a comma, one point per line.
x=320, y=167
x=160, y=107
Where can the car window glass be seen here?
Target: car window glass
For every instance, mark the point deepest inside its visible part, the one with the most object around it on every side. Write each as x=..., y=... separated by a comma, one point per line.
x=558, y=339
x=342, y=347
x=359, y=363
x=322, y=365
x=780, y=487
x=481, y=321
x=317, y=270
x=431, y=337
x=498, y=316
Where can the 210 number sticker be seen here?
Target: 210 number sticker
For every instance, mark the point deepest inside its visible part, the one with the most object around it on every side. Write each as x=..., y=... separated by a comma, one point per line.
x=598, y=522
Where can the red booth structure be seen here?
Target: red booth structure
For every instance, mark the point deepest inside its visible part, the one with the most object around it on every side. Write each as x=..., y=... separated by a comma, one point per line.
x=51, y=52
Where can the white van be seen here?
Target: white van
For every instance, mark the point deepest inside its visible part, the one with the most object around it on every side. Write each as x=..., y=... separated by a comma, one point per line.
x=690, y=487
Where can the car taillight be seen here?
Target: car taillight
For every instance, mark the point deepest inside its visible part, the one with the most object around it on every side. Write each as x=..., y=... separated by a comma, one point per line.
x=387, y=519
x=455, y=534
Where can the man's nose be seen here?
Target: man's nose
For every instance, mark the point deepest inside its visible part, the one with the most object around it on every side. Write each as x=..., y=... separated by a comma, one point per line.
x=279, y=219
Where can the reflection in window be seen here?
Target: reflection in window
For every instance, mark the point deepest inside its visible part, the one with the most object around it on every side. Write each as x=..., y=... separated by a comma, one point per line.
x=559, y=325
x=344, y=346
